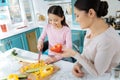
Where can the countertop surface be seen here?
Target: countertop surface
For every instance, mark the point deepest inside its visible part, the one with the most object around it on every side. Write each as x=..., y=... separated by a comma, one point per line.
x=12, y=32
x=64, y=73
x=21, y=30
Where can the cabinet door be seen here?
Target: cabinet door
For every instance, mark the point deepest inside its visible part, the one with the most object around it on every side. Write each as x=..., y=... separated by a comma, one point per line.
x=17, y=41
x=73, y=16
x=31, y=37
x=38, y=32
x=46, y=39
x=14, y=41
x=3, y=2
x=78, y=39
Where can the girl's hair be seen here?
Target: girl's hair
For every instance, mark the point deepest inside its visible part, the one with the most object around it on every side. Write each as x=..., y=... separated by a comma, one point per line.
x=100, y=7
x=57, y=10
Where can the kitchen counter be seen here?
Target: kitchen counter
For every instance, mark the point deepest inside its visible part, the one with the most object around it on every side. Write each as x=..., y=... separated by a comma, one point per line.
x=12, y=65
x=21, y=30
x=14, y=32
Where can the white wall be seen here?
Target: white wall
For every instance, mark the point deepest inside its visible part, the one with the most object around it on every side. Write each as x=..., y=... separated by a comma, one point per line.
x=41, y=6
x=114, y=5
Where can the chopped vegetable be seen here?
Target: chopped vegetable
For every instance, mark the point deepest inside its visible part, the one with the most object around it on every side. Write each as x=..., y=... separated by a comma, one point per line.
x=12, y=77
x=14, y=52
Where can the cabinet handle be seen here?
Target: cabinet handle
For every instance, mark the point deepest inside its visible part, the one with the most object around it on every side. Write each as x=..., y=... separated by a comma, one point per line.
x=29, y=35
x=8, y=42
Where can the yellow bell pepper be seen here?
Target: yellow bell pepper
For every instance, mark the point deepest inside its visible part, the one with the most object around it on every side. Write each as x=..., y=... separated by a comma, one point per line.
x=13, y=77
x=46, y=71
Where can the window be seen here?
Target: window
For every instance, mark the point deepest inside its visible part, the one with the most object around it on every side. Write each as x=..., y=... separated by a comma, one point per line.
x=17, y=13
x=28, y=7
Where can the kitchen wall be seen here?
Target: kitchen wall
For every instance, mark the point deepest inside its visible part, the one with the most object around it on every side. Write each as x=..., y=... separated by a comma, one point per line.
x=42, y=6
x=114, y=5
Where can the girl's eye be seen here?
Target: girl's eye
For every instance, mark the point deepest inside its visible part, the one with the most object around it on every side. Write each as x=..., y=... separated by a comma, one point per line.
x=77, y=15
x=55, y=20
x=49, y=20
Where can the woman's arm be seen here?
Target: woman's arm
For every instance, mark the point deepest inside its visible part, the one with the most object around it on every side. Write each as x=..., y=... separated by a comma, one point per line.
x=102, y=61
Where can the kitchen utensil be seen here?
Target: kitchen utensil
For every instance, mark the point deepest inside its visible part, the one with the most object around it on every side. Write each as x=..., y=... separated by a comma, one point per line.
x=116, y=71
x=117, y=20
x=39, y=56
x=3, y=28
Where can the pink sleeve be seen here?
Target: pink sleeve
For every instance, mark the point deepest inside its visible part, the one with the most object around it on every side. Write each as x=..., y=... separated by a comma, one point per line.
x=68, y=39
x=56, y=56
x=43, y=34
x=68, y=42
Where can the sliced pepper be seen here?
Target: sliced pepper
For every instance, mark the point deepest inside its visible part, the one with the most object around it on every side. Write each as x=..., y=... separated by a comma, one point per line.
x=46, y=71
x=13, y=77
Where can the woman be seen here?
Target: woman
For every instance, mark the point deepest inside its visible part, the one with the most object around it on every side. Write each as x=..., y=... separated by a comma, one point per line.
x=101, y=46
x=57, y=31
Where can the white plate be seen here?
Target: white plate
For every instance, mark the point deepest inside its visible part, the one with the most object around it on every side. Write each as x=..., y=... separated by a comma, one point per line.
x=26, y=56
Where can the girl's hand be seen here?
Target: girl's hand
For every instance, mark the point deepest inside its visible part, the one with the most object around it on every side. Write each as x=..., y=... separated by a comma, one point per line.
x=50, y=59
x=77, y=71
x=40, y=46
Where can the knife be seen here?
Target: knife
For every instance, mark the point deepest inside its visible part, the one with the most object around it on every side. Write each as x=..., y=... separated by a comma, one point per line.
x=39, y=56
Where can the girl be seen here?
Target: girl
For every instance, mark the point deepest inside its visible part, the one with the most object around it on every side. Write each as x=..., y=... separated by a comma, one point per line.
x=57, y=31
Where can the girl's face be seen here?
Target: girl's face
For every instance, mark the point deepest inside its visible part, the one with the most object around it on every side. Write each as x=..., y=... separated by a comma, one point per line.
x=83, y=18
x=55, y=20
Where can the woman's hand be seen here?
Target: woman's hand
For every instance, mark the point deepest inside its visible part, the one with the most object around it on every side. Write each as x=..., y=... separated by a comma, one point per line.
x=77, y=71
x=40, y=46
x=67, y=52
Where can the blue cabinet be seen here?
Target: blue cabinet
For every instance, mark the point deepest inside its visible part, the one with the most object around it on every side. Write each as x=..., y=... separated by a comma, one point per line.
x=28, y=40
x=38, y=32
x=3, y=2
x=13, y=41
x=21, y=40
x=78, y=39
x=41, y=32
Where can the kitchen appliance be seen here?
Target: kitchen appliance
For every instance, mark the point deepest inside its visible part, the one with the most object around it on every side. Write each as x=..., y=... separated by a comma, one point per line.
x=117, y=20
x=116, y=72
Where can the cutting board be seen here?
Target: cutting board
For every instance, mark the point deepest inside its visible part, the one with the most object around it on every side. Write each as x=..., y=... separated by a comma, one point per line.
x=32, y=76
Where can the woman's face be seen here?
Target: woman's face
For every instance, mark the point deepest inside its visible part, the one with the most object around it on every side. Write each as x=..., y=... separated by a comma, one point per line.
x=54, y=20
x=83, y=18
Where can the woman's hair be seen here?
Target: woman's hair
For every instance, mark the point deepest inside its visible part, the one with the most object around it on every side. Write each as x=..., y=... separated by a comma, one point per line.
x=100, y=7
x=57, y=10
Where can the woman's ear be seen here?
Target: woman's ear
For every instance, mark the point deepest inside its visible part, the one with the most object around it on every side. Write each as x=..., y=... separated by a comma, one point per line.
x=91, y=13
x=62, y=18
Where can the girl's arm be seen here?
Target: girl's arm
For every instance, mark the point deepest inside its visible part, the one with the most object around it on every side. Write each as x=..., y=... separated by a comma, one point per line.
x=69, y=39
x=43, y=34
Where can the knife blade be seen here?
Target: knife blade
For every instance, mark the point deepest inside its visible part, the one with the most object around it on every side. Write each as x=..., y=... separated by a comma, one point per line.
x=39, y=56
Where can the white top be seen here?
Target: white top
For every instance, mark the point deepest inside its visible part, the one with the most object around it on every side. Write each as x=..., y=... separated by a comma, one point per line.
x=101, y=53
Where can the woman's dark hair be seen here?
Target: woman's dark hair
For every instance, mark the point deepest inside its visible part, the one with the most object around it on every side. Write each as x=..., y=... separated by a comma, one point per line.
x=100, y=7
x=57, y=10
